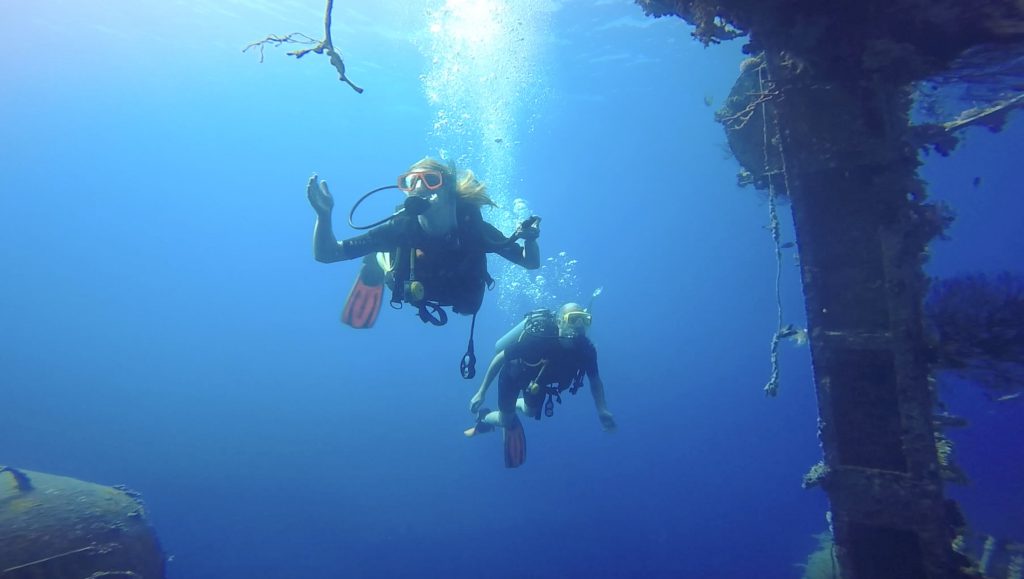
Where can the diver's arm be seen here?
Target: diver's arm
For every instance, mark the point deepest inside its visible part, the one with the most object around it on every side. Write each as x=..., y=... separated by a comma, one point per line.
x=529, y=231
x=492, y=373
x=381, y=238
x=326, y=248
x=531, y=254
x=597, y=391
x=527, y=255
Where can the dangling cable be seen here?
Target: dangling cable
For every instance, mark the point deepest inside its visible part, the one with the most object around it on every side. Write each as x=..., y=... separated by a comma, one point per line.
x=772, y=388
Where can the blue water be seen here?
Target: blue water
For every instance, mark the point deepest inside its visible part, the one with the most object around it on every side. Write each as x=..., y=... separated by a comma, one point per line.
x=165, y=326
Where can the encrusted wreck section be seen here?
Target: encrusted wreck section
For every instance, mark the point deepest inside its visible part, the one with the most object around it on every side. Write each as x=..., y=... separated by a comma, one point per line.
x=54, y=526
x=821, y=114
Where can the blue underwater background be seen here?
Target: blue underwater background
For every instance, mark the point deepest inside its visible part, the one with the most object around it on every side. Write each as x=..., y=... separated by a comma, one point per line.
x=164, y=324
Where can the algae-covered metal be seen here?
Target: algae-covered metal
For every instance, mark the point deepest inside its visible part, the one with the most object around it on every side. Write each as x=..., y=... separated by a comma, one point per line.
x=60, y=527
x=821, y=114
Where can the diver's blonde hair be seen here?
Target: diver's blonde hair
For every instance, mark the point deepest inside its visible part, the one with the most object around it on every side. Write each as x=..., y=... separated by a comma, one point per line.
x=469, y=189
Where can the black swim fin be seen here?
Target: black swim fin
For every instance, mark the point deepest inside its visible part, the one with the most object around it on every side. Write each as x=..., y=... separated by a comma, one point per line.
x=515, y=445
x=480, y=427
x=365, y=298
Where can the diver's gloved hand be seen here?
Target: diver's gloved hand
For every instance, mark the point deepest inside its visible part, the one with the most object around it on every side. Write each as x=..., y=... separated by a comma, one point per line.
x=476, y=402
x=319, y=196
x=607, y=421
x=529, y=229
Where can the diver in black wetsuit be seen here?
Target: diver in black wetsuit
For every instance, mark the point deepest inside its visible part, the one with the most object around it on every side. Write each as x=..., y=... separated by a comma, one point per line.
x=433, y=256
x=536, y=363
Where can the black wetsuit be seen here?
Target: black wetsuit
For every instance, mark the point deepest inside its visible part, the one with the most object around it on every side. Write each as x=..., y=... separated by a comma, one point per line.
x=452, y=269
x=549, y=361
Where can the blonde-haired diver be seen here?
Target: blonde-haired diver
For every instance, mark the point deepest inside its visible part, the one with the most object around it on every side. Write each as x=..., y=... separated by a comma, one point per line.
x=432, y=252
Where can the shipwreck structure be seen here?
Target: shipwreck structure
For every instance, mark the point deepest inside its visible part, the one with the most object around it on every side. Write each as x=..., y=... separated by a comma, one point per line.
x=821, y=114
x=54, y=526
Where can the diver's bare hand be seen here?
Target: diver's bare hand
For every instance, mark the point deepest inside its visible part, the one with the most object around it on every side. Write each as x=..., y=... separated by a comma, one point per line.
x=476, y=402
x=607, y=421
x=319, y=196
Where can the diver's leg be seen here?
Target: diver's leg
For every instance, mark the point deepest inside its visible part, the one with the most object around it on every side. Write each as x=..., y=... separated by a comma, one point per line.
x=513, y=437
x=493, y=418
x=521, y=406
x=487, y=420
x=508, y=391
x=529, y=405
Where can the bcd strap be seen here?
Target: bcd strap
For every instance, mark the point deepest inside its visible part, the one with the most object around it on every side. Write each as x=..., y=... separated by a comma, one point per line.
x=577, y=382
x=554, y=394
x=431, y=312
x=468, y=365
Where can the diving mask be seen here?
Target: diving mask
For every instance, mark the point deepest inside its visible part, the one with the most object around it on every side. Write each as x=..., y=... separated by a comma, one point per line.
x=430, y=179
x=576, y=320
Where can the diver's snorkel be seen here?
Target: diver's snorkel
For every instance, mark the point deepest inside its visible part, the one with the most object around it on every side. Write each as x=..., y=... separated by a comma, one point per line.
x=590, y=305
x=413, y=205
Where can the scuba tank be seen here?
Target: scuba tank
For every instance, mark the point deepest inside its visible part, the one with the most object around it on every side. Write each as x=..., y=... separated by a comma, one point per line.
x=511, y=337
x=536, y=323
x=539, y=322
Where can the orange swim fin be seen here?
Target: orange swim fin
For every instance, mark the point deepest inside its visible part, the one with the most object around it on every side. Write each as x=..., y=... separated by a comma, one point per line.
x=364, y=301
x=515, y=445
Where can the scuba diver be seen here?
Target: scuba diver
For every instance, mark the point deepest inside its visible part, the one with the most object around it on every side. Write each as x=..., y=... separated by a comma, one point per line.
x=546, y=354
x=431, y=253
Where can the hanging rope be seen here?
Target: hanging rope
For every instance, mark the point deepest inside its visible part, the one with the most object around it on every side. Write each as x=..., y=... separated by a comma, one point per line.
x=766, y=87
x=91, y=548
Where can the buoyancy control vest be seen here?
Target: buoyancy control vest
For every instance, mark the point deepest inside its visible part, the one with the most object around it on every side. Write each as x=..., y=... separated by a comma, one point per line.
x=433, y=274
